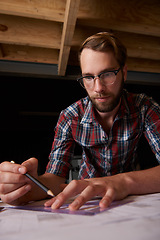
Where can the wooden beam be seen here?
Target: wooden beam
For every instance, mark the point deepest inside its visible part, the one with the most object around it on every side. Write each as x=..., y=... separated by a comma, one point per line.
x=48, y=10
x=121, y=26
x=71, y=11
x=138, y=45
x=134, y=64
x=134, y=16
x=141, y=46
x=30, y=32
x=1, y=52
x=143, y=65
x=30, y=54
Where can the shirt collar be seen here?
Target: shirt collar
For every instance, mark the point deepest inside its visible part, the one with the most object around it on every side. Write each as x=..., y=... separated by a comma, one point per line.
x=124, y=108
x=89, y=115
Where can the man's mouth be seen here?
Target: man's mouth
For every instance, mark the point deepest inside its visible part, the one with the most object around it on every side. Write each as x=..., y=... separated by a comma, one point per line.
x=102, y=99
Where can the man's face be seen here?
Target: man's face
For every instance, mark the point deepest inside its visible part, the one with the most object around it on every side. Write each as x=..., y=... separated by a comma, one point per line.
x=104, y=97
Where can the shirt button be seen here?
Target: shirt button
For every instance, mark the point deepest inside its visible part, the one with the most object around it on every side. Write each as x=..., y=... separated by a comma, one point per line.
x=105, y=138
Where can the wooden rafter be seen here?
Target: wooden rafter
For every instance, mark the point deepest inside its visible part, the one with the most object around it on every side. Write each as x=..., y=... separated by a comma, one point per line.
x=29, y=32
x=140, y=65
x=134, y=16
x=34, y=9
x=29, y=54
x=71, y=11
x=138, y=45
x=46, y=31
x=1, y=52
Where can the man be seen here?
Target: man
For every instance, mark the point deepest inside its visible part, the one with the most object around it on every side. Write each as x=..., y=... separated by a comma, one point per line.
x=107, y=124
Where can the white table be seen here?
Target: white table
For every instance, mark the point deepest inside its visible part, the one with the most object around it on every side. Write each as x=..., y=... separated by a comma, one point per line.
x=139, y=219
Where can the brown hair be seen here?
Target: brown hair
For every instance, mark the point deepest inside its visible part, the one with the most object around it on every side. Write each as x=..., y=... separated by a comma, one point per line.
x=104, y=42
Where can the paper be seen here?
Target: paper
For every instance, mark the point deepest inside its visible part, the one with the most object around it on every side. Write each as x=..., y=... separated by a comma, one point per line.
x=136, y=217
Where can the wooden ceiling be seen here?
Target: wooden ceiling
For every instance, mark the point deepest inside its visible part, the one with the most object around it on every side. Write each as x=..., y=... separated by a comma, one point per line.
x=51, y=31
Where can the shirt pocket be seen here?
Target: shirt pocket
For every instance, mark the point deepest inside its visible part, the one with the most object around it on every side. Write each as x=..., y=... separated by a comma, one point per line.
x=127, y=142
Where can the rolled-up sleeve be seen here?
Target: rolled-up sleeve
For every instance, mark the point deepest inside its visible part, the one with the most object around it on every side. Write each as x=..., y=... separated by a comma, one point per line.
x=152, y=129
x=62, y=148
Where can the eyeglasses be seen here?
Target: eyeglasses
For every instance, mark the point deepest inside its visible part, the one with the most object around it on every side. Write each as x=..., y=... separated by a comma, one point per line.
x=106, y=78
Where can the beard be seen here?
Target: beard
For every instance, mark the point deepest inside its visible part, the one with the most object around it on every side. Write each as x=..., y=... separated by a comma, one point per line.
x=110, y=104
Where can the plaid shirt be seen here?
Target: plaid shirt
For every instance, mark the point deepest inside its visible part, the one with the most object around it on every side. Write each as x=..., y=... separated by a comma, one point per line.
x=103, y=154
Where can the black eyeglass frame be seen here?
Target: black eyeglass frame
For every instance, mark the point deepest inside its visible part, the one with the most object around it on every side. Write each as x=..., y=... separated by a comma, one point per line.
x=80, y=80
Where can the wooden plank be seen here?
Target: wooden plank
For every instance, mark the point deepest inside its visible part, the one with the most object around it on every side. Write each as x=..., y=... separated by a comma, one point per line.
x=30, y=32
x=141, y=17
x=71, y=11
x=44, y=9
x=132, y=16
x=143, y=65
x=1, y=52
x=138, y=45
x=134, y=64
x=141, y=46
x=29, y=54
x=152, y=30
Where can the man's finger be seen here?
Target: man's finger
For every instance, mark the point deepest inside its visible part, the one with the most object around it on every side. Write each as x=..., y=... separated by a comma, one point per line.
x=10, y=167
x=30, y=164
x=88, y=193
x=107, y=199
x=7, y=178
x=14, y=195
x=72, y=189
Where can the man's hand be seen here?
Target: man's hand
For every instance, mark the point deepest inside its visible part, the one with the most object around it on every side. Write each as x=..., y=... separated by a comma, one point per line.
x=109, y=188
x=13, y=183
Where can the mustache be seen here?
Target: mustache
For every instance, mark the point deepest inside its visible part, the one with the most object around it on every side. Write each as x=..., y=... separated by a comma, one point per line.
x=100, y=95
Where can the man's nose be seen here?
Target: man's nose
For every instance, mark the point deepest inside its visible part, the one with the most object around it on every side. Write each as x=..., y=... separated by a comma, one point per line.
x=98, y=85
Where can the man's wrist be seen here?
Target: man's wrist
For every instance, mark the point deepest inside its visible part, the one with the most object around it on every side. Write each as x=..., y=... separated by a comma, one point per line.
x=129, y=183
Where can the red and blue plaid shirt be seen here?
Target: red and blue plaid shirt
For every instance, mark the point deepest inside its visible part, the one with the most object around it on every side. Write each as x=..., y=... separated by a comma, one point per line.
x=103, y=154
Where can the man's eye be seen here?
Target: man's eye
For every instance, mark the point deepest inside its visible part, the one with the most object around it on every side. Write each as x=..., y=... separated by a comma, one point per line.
x=107, y=74
x=88, y=78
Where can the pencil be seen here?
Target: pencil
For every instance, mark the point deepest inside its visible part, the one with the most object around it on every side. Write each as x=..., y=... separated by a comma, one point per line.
x=38, y=183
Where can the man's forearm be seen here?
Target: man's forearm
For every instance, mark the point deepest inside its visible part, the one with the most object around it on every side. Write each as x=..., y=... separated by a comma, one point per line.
x=53, y=182
x=144, y=181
